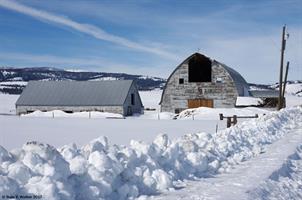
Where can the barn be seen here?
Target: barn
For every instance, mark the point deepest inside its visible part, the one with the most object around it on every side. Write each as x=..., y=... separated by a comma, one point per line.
x=118, y=96
x=200, y=81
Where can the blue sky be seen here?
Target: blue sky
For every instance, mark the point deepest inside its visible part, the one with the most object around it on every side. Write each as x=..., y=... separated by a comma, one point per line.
x=151, y=37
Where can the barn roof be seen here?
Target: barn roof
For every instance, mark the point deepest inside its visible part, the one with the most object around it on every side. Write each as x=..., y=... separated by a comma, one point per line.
x=239, y=81
x=75, y=93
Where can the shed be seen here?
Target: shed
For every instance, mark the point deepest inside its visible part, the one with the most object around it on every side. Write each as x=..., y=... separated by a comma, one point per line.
x=269, y=97
x=200, y=81
x=118, y=96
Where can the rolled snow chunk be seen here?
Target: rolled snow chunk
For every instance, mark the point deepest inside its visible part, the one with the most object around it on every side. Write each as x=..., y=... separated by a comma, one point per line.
x=99, y=144
x=19, y=172
x=8, y=186
x=4, y=155
x=162, y=141
x=49, y=188
x=78, y=165
x=45, y=160
x=69, y=151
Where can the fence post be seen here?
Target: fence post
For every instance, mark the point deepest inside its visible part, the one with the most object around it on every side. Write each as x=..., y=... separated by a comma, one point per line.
x=229, y=122
x=235, y=119
x=220, y=116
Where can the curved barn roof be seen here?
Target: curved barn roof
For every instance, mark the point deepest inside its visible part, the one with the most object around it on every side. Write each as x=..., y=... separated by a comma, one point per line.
x=239, y=81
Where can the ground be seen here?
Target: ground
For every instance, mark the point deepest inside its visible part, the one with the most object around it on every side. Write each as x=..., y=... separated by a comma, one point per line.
x=192, y=157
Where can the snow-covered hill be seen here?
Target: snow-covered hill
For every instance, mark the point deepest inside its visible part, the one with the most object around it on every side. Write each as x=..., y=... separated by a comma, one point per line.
x=13, y=80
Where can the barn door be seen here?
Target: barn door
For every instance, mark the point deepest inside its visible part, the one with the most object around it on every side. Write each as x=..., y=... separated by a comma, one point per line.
x=195, y=103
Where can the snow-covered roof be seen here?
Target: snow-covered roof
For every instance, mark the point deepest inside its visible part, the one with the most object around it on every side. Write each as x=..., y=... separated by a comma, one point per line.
x=75, y=93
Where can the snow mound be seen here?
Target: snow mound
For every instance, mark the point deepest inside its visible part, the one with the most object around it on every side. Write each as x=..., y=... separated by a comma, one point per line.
x=294, y=89
x=248, y=101
x=60, y=113
x=99, y=170
x=213, y=113
x=284, y=183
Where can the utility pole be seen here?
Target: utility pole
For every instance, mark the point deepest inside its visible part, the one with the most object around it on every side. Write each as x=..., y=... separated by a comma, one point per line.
x=283, y=41
x=284, y=85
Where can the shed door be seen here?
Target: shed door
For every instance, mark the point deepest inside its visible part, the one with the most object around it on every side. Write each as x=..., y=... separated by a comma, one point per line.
x=195, y=103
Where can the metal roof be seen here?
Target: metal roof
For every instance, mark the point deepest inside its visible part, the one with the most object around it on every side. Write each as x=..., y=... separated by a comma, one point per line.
x=265, y=93
x=239, y=81
x=75, y=93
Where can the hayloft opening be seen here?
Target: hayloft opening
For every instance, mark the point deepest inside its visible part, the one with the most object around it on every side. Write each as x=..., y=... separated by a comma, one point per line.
x=200, y=69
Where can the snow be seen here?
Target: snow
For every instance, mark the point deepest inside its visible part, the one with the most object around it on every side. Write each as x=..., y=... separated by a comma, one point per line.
x=285, y=182
x=62, y=114
x=242, y=180
x=101, y=170
x=5, y=83
x=248, y=101
x=294, y=89
x=7, y=105
x=144, y=155
x=204, y=113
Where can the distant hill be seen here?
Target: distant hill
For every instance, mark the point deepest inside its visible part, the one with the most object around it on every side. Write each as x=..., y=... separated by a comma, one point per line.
x=13, y=80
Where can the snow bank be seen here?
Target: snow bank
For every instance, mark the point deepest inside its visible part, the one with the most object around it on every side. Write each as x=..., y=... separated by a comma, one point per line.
x=213, y=113
x=248, y=101
x=284, y=183
x=99, y=170
x=60, y=113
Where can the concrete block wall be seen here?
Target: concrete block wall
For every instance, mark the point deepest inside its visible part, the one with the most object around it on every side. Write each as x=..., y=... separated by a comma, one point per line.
x=111, y=109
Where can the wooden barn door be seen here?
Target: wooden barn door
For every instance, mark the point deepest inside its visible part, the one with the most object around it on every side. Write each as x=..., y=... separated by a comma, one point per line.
x=195, y=103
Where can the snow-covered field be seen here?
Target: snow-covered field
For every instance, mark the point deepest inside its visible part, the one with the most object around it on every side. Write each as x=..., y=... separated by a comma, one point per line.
x=99, y=170
x=151, y=155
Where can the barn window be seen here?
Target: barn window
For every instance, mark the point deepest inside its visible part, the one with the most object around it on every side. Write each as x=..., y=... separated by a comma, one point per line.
x=200, y=69
x=132, y=99
x=181, y=81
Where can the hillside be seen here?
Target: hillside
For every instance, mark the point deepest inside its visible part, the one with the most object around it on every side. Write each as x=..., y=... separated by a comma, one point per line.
x=13, y=80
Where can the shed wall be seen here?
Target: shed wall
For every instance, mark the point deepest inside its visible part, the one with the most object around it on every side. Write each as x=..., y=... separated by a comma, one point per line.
x=111, y=109
x=138, y=106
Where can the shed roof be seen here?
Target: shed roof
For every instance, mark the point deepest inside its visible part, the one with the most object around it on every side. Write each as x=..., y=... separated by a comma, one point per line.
x=75, y=93
x=265, y=93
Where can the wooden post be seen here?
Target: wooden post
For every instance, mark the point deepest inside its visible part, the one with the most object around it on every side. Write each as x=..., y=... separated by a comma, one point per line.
x=285, y=80
x=235, y=119
x=283, y=41
x=220, y=116
x=229, y=122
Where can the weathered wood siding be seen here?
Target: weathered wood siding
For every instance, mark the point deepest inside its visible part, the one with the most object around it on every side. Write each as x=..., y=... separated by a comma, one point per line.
x=222, y=89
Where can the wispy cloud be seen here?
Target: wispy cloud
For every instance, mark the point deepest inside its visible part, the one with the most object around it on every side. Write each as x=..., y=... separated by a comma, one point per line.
x=89, y=29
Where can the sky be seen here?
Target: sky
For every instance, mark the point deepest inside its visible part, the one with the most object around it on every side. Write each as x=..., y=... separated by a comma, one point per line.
x=151, y=37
